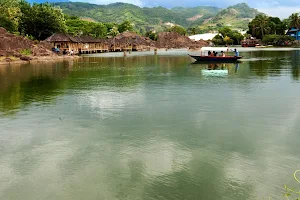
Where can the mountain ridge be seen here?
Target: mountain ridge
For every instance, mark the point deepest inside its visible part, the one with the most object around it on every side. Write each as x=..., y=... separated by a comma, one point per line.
x=206, y=18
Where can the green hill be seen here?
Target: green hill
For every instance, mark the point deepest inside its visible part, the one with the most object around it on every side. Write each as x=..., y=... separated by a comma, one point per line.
x=207, y=17
x=237, y=17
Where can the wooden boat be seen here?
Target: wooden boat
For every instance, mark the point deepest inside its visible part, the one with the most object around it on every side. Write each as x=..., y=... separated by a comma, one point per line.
x=204, y=57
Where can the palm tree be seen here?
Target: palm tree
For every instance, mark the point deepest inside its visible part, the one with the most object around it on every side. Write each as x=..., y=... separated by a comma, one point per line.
x=294, y=20
x=262, y=24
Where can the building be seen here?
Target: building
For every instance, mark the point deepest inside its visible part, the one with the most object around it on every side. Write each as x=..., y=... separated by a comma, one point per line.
x=126, y=41
x=78, y=44
x=204, y=36
x=294, y=32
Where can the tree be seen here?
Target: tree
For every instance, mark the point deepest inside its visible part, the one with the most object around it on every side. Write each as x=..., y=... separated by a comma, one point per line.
x=177, y=29
x=9, y=14
x=227, y=40
x=98, y=30
x=41, y=20
x=294, y=20
x=234, y=36
x=278, y=40
x=152, y=35
x=125, y=26
x=259, y=26
x=276, y=26
x=113, y=31
x=218, y=40
x=262, y=24
x=192, y=31
x=76, y=26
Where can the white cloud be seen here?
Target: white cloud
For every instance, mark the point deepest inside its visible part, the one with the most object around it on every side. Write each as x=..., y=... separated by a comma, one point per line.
x=280, y=11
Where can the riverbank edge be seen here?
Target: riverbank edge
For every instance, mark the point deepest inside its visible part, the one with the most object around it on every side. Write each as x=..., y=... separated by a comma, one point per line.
x=38, y=59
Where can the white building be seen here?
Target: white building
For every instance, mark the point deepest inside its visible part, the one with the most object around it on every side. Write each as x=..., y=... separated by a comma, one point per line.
x=205, y=36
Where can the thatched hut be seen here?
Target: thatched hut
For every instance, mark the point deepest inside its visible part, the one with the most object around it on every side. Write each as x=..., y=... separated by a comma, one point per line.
x=79, y=44
x=93, y=45
x=130, y=41
x=64, y=42
x=175, y=40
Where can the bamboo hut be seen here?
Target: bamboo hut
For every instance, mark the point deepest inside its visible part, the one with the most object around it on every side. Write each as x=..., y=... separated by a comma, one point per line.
x=92, y=45
x=79, y=44
x=64, y=42
x=130, y=41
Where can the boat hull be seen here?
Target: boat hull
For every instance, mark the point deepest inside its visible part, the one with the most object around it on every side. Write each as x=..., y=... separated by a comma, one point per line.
x=216, y=58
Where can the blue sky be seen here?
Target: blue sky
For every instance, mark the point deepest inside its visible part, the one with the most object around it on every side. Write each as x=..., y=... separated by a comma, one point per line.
x=279, y=8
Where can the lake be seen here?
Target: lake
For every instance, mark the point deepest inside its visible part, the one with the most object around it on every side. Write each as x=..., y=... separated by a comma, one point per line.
x=151, y=127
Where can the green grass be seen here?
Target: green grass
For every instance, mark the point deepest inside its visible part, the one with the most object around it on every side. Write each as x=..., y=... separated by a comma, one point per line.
x=26, y=52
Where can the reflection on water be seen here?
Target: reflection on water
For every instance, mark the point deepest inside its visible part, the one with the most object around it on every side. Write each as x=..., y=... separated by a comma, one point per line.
x=150, y=127
x=24, y=84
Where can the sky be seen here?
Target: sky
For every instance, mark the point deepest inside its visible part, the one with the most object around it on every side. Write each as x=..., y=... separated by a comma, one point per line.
x=278, y=8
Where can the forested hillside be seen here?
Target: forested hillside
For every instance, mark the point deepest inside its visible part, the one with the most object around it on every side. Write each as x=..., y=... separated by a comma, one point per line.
x=206, y=17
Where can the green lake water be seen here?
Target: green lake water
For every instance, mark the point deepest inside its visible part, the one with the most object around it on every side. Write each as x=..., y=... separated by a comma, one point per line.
x=150, y=127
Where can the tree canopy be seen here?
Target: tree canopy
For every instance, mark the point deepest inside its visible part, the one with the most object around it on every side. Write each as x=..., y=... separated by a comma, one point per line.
x=227, y=36
x=262, y=25
x=41, y=20
x=9, y=14
x=294, y=21
x=177, y=29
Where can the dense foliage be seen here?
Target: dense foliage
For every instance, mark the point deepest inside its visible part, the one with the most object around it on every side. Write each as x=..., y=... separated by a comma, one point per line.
x=294, y=21
x=9, y=14
x=272, y=30
x=262, y=25
x=278, y=40
x=178, y=29
x=227, y=36
x=146, y=19
x=40, y=20
x=76, y=26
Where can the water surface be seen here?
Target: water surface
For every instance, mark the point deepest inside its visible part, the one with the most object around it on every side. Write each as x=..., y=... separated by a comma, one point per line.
x=150, y=127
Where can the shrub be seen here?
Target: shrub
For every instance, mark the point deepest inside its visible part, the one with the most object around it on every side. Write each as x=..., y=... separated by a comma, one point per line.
x=26, y=52
x=278, y=40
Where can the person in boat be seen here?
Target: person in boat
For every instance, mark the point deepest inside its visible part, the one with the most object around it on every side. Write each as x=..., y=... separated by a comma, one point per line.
x=209, y=53
x=215, y=53
x=222, y=54
x=236, y=52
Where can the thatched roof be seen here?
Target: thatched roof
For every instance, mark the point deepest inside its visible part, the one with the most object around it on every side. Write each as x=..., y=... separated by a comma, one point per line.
x=127, y=34
x=61, y=37
x=132, y=38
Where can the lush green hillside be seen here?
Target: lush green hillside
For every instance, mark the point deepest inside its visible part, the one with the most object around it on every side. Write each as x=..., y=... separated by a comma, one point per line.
x=207, y=17
x=197, y=15
x=237, y=17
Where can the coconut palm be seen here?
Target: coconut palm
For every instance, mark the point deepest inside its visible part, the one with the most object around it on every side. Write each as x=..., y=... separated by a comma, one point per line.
x=294, y=20
x=262, y=24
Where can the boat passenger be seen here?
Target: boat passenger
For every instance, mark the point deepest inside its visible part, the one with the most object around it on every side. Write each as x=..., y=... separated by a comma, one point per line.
x=209, y=53
x=222, y=54
x=236, y=52
x=215, y=53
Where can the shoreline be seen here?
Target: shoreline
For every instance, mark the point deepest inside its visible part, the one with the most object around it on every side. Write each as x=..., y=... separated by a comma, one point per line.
x=39, y=59
x=56, y=58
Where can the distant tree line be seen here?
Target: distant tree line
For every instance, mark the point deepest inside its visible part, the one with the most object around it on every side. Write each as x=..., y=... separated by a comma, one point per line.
x=271, y=30
x=39, y=21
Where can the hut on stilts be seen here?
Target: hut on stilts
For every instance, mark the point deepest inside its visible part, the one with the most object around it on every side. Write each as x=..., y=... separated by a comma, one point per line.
x=126, y=41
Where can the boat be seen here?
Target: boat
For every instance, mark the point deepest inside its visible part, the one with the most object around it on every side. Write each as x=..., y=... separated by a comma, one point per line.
x=204, y=57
